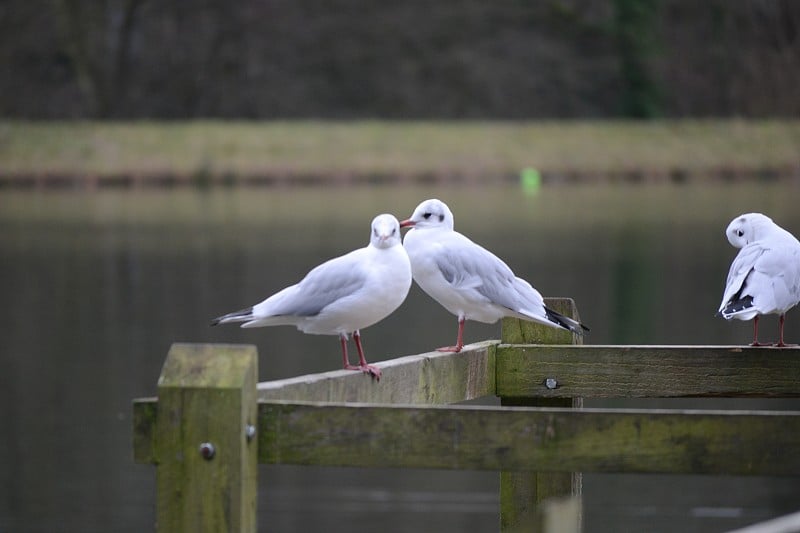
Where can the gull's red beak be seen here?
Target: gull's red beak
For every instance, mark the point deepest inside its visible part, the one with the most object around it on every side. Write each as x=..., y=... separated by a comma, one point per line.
x=407, y=223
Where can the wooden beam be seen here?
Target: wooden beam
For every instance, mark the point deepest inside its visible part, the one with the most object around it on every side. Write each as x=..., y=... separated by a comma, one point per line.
x=522, y=494
x=647, y=371
x=429, y=378
x=531, y=439
x=206, y=463
x=563, y=440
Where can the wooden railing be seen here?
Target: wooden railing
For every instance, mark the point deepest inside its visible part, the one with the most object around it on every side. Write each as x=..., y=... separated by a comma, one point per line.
x=212, y=422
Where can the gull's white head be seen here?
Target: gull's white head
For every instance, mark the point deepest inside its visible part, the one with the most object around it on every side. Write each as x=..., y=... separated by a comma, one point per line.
x=385, y=231
x=431, y=213
x=748, y=228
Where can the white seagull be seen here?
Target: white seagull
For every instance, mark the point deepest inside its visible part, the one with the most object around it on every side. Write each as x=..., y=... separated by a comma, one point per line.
x=342, y=295
x=468, y=280
x=765, y=275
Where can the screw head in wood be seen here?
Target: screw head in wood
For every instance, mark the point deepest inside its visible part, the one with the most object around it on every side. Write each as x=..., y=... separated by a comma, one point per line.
x=250, y=432
x=551, y=383
x=207, y=451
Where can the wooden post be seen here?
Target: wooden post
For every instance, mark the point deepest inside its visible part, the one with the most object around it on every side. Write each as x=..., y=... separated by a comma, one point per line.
x=522, y=493
x=205, y=451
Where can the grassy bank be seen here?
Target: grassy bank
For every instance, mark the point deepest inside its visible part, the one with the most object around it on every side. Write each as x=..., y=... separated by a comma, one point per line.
x=374, y=150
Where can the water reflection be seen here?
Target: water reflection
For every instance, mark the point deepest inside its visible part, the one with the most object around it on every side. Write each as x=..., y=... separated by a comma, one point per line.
x=96, y=286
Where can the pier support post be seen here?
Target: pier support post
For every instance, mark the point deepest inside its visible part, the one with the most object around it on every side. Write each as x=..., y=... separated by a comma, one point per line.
x=522, y=493
x=206, y=439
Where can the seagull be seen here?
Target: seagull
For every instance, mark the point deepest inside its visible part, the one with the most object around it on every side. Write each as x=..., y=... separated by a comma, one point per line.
x=342, y=295
x=765, y=275
x=467, y=279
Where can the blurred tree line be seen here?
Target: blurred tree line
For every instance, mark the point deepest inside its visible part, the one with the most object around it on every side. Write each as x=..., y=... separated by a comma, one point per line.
x=410, y=59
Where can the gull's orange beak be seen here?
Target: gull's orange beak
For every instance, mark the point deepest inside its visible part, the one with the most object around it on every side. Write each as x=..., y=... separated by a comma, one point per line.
x=407, y=223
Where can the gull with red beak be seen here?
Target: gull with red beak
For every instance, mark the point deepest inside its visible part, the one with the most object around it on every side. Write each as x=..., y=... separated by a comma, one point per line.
x=467, y=279
x=343, y=295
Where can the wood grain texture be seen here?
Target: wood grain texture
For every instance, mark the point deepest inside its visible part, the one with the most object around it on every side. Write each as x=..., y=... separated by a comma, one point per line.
x=429, y=378
x=523, y=493
x=647, y=371
x=206, y=394
x=531, y=439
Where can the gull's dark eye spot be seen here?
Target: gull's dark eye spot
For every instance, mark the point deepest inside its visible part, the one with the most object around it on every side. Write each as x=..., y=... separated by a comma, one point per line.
x=441, y=218
x=426, y=216
x=740, y=233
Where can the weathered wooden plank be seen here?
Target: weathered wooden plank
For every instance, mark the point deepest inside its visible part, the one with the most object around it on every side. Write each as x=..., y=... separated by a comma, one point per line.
x=429, y=378
x=523, y=493
x=207, y=396
x=647, y=371
x=531, y=439
x=645, y=453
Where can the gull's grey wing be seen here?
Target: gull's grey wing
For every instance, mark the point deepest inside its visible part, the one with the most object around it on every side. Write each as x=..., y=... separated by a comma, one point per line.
x=329, y=282
x=466, y=265
x=743, y=264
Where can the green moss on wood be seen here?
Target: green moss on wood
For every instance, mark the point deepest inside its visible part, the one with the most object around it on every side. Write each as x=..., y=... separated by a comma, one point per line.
x=532, y=439
x=647, y=371
x=206, y=393
x=430, y=378
x=522, y=492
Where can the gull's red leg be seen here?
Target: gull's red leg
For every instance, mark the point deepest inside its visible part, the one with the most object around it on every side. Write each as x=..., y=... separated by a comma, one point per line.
x=459, y=340
x=780, y=343
x=755, y=334
x=372, y=370
x=345, y=359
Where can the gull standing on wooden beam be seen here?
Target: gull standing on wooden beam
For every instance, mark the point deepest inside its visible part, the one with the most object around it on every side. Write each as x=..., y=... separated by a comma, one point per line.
x=343, y=295
x=468, y=280
x=764, y=278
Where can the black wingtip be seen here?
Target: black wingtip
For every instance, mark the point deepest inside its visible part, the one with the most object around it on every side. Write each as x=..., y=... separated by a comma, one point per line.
x=238, y=316
x=567, y=323
x=577, y=328
x=582, y=331
x=736, y=305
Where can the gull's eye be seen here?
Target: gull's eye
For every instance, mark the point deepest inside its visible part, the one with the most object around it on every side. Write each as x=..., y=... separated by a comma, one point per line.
x=441, y=218
x=426, y=216
x=740, y=233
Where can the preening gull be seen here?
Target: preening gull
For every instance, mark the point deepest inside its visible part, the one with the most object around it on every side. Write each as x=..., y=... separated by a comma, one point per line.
x=765, y=275
x=468, y=280
x=343, y=295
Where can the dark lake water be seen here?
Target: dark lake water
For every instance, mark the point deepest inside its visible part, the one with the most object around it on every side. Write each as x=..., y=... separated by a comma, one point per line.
x=97, y=285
